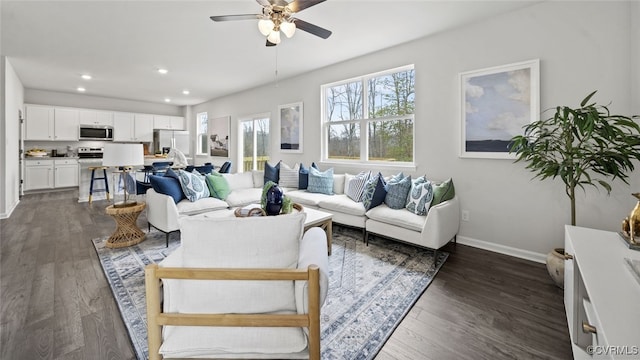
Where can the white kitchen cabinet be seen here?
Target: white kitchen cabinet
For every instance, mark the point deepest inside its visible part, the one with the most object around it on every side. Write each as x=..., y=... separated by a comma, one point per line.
x=39, y=122
x=66, y=124
x=132, y=127
x=164, y=122
x=96, y=118
x=143, y=127
x=601, y=295
x=66, y=173
x=38, y=174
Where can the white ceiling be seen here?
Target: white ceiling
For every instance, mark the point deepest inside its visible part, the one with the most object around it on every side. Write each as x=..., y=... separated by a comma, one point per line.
x=122, y=43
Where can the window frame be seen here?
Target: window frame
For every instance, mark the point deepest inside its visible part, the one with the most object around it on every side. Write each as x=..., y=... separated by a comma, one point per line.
x=363, y=123
x=253, y=118
x=199, y=134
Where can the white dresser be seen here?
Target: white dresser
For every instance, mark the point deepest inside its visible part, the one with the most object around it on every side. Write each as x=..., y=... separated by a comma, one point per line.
x=601, y=295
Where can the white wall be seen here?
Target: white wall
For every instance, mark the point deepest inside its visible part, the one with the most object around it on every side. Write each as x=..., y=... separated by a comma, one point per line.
x=508, y=211
x=44, y=97
x=11, y=101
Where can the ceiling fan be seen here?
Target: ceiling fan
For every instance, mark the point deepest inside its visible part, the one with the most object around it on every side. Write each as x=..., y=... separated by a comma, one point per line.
x=277, y=15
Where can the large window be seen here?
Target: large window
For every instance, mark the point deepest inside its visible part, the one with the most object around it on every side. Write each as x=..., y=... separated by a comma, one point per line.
x=201, y=147
x=255, y=142
x=370, y=118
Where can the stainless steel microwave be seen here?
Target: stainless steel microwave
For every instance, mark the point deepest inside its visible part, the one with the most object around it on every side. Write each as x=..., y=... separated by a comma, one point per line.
x=96, y=132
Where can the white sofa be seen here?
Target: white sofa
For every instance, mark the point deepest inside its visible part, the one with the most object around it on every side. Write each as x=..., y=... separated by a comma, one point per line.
x=436, y=229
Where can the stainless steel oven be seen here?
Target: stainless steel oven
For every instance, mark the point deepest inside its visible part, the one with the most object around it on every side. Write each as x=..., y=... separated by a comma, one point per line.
x=88, y=132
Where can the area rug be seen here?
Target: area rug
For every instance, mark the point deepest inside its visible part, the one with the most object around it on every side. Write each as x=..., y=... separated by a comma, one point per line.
x=371, y=289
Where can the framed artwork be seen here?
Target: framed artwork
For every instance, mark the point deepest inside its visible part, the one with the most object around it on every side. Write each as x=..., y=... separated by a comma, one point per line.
x=291, y=127
x=496, y=103
x=218, y=136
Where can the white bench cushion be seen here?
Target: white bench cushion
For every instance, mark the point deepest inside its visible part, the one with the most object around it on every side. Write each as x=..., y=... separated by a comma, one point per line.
x=402, y=218
x=304, y=197
x=242, y=197
x=342, y=203
x=186, y=207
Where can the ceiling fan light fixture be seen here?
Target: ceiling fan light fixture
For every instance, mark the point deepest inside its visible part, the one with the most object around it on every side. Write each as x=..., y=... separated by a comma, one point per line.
x=274, y=37
x=265, y=26
x=288, y=28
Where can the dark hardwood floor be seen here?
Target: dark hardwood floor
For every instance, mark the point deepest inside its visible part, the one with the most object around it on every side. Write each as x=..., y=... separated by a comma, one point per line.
x=56, y=304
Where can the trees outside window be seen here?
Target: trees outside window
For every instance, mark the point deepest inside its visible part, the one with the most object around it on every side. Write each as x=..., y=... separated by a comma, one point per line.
x=370, y=118
x=256, y=143
x=201, y=148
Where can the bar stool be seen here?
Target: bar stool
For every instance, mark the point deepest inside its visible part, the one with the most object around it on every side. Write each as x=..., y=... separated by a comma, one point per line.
x=94, y=178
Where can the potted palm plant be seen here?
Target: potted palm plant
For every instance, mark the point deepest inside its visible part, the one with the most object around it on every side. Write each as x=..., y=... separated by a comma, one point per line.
x=584, y=146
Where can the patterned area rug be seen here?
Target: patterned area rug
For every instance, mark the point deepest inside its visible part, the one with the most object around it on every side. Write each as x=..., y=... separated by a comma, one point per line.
x=371, y=289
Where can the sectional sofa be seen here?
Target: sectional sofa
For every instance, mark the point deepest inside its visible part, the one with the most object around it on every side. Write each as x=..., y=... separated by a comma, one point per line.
x=439, y=226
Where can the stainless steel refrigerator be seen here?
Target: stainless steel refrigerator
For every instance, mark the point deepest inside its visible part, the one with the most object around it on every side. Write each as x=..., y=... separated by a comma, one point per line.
x=165, y=139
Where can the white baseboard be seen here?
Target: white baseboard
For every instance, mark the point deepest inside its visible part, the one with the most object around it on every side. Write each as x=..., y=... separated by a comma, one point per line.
x=502, y=249
x=5, y=215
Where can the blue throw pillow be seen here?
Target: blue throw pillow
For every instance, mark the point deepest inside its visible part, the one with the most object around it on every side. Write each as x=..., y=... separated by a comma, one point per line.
x=397, y=192
x=271, y=173
x=172, y=174
x=167, y=185
x=303, y=177
x=320, y=182
x=374, y=192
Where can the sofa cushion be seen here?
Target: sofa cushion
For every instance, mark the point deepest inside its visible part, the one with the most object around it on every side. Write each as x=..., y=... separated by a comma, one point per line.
x=420, y=196
x=186, y=207
x=321, y=182
x=193, y=185
x=271, y=173
x=168, y=186
x=242, y=197
x=374, y=192
x=342, y=203
x=338, y=183
x=305, y=198
x=239, y=180
x=218, y=186
x=443, y=192
x=401, y=218
x=258, y=178
x=397, y=192
x=289, y=176
x=354, y=187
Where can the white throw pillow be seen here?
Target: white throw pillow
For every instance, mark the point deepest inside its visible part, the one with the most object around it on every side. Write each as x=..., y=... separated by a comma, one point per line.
x=240, y=180
x=355, y=187
x=289, y=176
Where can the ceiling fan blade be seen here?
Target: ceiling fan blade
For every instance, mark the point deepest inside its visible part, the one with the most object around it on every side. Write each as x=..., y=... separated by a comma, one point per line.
x=269, y=43
x=299, y=5
x=312, y=29
x=235, y=17
x=263, y=2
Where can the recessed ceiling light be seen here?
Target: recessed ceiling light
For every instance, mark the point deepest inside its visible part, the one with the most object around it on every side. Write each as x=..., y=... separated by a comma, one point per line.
x=163, y=71
x=81, y=89
x=186, y=92
x=167, y=100
x=86, y=76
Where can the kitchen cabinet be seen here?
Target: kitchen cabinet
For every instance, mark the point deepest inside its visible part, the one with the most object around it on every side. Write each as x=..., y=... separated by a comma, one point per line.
x=96, y=118
x=163, y=122
x=66, y=173
x=51, y=123
x=50, y=174
x=132, y=127
x=38, y=174
x=600, y=295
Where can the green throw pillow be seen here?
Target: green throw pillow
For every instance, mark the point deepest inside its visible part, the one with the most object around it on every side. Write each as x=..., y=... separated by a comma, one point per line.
x=443, y=192
x=218, y=185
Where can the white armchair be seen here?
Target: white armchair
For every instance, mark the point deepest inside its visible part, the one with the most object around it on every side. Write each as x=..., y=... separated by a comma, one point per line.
x=239, y=288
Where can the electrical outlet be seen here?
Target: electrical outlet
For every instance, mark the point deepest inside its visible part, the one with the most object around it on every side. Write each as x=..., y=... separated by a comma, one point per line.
x=465, y=215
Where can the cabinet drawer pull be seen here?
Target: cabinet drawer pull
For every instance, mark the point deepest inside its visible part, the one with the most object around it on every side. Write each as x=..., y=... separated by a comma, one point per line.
x=588, y=328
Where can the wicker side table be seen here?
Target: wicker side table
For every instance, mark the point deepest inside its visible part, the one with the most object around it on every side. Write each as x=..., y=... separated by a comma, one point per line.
x=127, y=231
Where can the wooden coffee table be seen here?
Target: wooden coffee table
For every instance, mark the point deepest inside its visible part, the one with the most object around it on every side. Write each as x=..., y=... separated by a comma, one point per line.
x=127, y=231
x=321, y=219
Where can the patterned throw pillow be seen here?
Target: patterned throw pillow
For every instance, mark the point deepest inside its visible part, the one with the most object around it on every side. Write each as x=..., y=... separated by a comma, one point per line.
x=218, y=185
x=271, y=173
x=443, y=192
x=374, y=192
x=355, y=187
x=420, y=196
x=320, y=182
x=193, y=185
x=397, y=192
x=289, y=176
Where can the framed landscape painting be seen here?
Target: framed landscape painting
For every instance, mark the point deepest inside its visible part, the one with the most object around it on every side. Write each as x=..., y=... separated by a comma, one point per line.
x=218, y=132
x=496, y=103
x=291, y=127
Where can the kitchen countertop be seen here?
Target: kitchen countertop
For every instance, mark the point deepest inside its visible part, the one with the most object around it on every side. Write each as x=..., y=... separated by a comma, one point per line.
x=49, y=157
